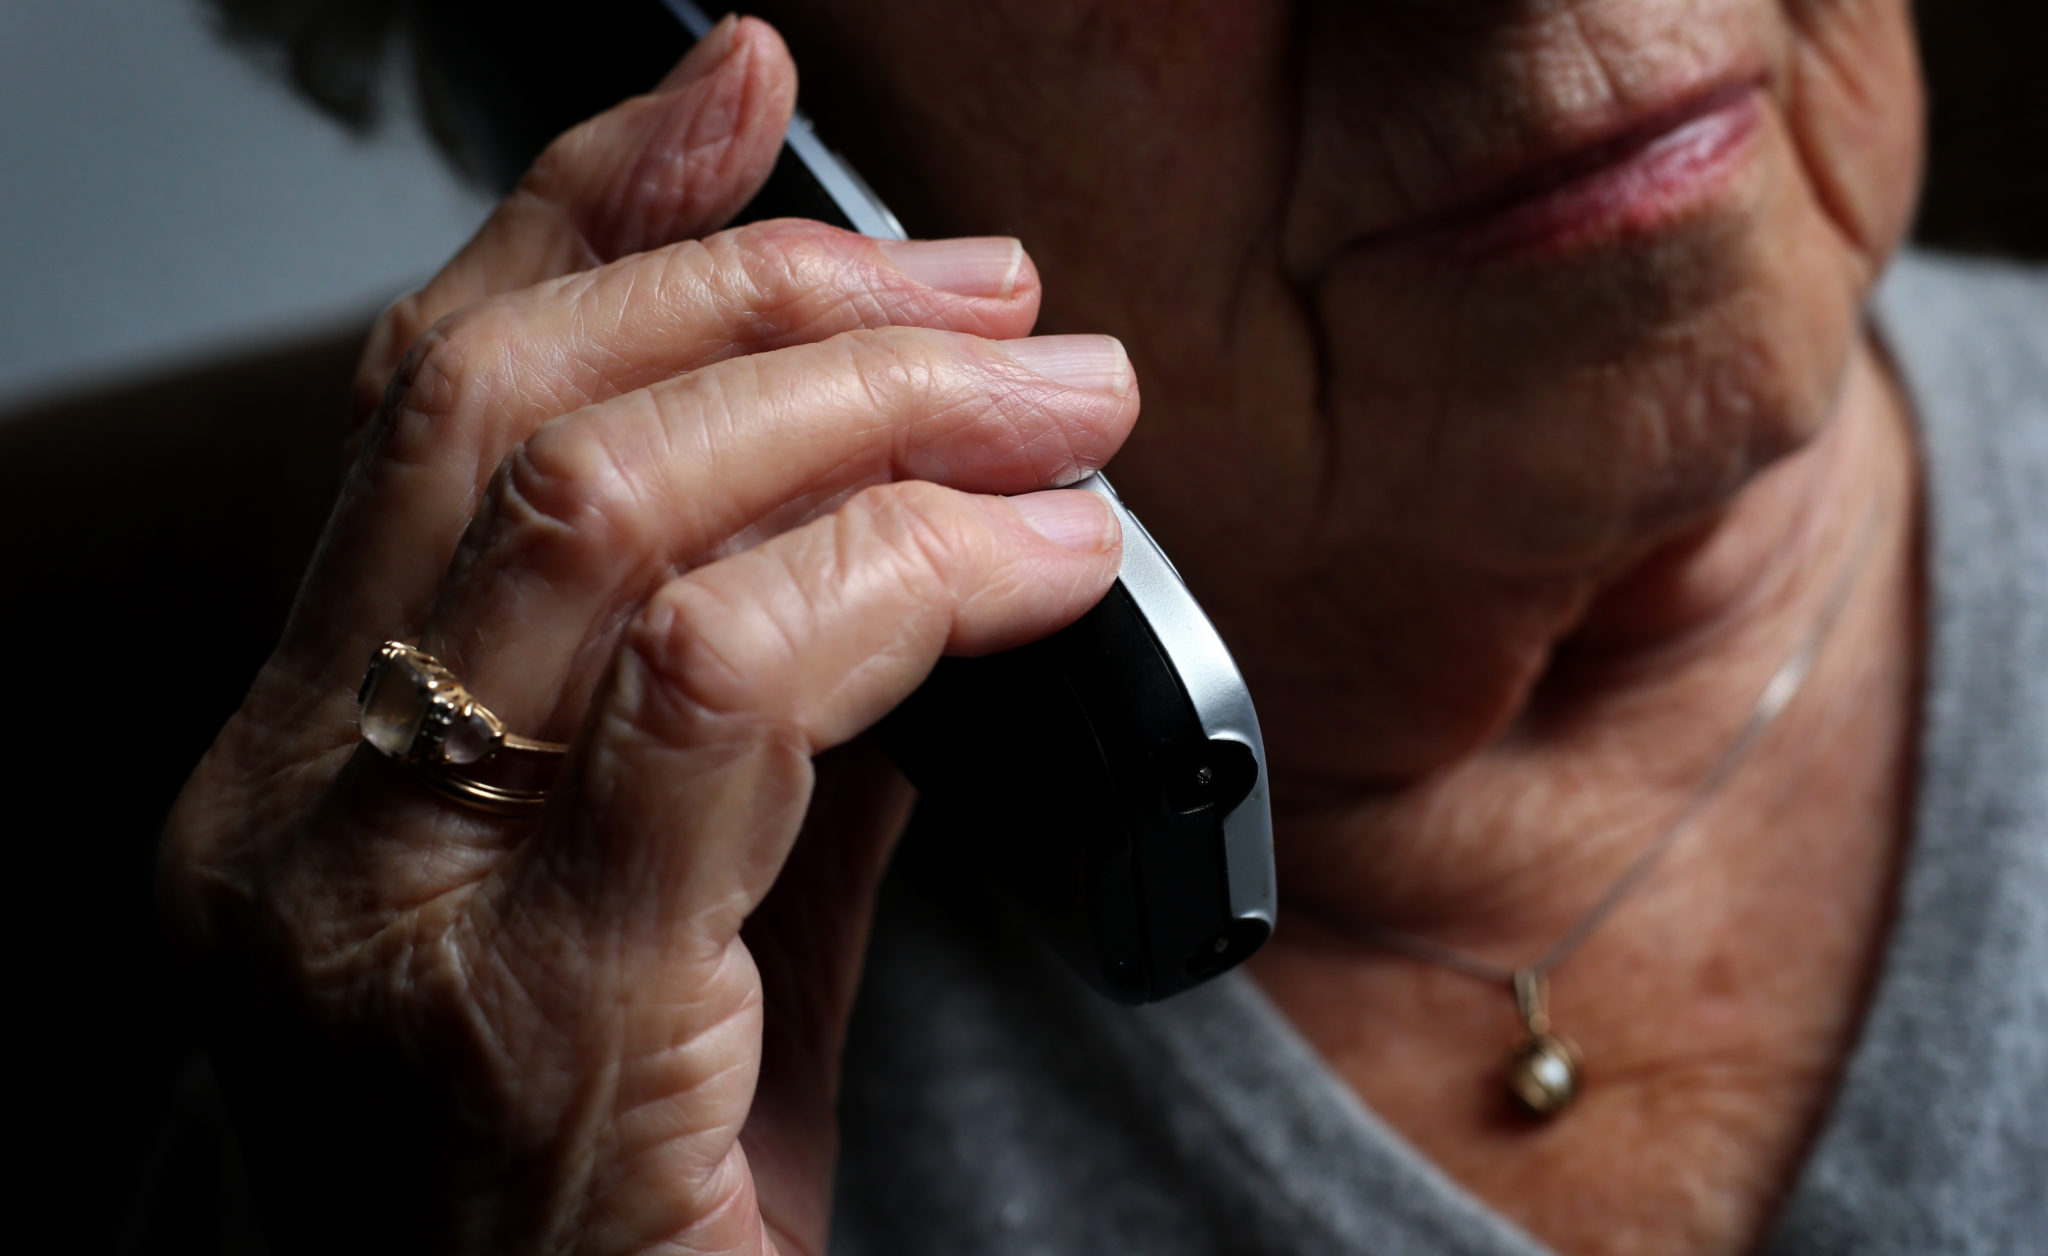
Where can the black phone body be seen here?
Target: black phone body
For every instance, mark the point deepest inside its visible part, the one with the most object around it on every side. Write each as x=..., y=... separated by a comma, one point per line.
x=1109, y=779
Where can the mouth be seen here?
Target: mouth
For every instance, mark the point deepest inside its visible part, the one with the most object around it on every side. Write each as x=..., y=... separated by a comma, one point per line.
x=1627, y=184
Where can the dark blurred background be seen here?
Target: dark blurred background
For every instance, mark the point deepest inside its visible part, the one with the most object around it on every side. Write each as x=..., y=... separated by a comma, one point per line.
x=187, y=254
x=1987, y=73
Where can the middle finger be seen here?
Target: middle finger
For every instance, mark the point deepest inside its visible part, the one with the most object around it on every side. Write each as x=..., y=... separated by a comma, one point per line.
x=597, y=509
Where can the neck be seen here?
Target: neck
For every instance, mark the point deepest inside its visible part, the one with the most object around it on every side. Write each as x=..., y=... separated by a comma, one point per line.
x=1613, y=696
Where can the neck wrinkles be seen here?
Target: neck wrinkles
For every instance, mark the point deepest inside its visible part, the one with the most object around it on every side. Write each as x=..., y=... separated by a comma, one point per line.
x=1505, y=848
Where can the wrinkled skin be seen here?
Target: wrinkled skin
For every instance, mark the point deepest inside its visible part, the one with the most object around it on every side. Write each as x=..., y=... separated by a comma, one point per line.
x=1456, y=498
x=1493, y=433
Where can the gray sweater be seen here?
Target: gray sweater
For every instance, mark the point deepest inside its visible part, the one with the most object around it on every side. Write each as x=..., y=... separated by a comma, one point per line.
x=995, y=1107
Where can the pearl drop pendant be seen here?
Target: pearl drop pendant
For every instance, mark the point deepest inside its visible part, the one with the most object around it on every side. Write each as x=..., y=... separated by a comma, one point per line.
x=1544, y=1070
x=1543, y=1074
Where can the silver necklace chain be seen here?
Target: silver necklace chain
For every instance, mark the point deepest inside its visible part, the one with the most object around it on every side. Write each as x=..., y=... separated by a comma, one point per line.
x=1778, y=692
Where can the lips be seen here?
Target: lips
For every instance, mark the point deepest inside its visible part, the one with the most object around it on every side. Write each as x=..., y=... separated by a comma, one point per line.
x=1629, y=182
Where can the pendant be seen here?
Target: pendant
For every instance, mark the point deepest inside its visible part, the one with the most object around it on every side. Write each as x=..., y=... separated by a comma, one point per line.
x=1544, y=1069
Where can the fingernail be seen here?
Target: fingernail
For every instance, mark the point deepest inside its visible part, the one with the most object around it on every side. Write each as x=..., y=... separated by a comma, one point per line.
x=981, y=266
x=1073, y=518
x=707, y=52
x=1097, y=363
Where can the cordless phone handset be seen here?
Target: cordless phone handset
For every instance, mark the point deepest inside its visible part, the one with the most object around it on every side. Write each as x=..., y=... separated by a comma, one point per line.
x=1110, y=778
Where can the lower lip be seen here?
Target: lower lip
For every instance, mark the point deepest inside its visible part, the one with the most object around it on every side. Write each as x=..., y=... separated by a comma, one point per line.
x=1646, y=186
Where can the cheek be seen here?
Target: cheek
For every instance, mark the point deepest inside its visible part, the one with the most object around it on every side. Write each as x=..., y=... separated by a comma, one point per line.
x=1853, y=102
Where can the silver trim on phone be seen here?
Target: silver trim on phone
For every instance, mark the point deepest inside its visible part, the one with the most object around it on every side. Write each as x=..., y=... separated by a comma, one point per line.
x=1218, y=693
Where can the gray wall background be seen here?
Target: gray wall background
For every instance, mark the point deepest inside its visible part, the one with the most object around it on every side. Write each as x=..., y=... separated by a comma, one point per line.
x=163, y=199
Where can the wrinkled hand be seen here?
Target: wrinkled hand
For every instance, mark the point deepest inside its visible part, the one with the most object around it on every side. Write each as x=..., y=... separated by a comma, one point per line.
x=706, y=509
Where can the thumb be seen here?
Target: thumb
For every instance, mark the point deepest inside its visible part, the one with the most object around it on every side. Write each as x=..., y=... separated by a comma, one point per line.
x=682, y=160
x=672, y=165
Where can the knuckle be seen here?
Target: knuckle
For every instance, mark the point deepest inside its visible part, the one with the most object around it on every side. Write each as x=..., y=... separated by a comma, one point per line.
x=793, y=281
x=784, y=253
x=565, y=491
x=447, y=383
x=687, y=275
x=710, y=420
x=709, y=293
x=918, y=530
x=421, y=391
x=401, y=324
x=956, y=406
x=558, y=164
x=889, y=363
x=403, y=321
x=712, y=656
x=744, y=648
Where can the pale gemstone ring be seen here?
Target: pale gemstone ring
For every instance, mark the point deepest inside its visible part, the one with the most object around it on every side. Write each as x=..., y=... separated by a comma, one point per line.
x=417, y=712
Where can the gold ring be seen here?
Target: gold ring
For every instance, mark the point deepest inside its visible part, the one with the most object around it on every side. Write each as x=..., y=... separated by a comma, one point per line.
x=417, y=712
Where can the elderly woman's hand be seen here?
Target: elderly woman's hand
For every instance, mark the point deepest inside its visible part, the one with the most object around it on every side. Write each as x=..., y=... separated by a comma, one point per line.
x=713, y=507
